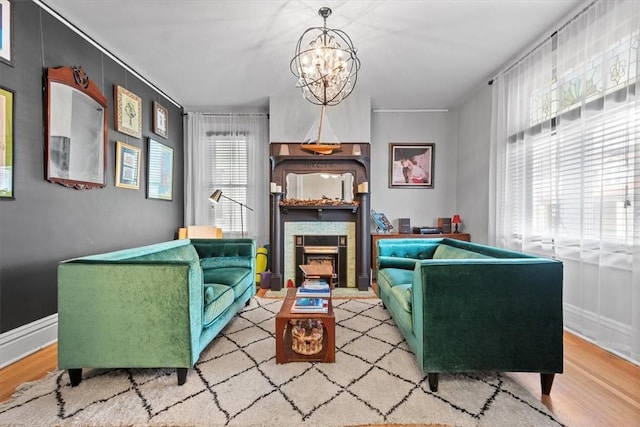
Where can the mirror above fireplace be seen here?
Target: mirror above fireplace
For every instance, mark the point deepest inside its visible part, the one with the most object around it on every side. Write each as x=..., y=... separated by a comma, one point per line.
x=320, y=185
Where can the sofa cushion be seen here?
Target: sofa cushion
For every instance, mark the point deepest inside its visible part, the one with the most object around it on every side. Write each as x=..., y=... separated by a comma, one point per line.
x=402, y=293
x=237, y=278
x=209, y=294
x=395, y=276
x=449, y=252
x=400, y=306
x=221, y=299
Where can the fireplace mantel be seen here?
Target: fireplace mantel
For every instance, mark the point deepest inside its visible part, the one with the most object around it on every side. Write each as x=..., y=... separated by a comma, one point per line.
x=291, y=158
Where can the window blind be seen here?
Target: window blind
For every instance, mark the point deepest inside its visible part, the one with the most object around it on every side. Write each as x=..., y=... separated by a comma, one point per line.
x=228, y=172
x=578, y=180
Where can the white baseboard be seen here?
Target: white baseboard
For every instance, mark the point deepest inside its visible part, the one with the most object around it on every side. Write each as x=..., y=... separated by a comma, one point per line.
x=25, y=340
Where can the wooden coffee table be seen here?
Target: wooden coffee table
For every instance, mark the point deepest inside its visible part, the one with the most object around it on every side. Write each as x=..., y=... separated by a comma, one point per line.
x=284, y=352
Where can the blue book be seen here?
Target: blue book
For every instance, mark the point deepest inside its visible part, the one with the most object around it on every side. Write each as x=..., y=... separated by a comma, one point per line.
x=309, y=303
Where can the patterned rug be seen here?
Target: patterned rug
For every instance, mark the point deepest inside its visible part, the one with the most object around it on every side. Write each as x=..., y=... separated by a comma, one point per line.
x=236, y=382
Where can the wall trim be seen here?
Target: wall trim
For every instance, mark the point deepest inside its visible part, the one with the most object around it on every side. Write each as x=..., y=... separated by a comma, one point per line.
x=27, y=339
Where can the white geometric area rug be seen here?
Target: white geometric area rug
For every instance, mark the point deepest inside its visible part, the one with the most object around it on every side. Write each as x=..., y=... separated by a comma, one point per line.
x=374, y=380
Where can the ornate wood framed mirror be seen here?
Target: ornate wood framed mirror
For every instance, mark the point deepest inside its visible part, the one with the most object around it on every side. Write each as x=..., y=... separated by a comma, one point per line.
x=75, y=130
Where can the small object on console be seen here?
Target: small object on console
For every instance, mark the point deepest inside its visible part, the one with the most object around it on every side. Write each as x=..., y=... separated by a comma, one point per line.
x=427, y=230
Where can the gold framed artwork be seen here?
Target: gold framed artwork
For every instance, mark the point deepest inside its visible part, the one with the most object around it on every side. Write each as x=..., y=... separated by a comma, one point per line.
x=160, y=120
x=128, y=111
x=7, y=102
x=127, y=166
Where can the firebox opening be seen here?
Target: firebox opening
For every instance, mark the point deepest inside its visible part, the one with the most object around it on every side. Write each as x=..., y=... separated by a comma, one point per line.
x=330, y=251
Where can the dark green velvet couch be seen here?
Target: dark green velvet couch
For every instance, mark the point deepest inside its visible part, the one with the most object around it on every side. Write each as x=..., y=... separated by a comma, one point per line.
x=155, y=306
x=466, y=307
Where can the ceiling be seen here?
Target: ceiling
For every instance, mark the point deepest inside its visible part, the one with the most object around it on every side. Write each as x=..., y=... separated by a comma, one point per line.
x=429, y=54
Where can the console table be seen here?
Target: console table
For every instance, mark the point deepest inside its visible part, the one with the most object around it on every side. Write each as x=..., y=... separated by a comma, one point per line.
x=374, y=238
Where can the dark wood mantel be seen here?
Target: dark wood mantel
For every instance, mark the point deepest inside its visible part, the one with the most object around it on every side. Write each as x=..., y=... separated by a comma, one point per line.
x=293, y=159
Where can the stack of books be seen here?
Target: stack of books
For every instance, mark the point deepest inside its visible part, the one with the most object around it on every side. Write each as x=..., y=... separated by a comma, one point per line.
x=312, y=297
x=310, y=305
x=314, y=289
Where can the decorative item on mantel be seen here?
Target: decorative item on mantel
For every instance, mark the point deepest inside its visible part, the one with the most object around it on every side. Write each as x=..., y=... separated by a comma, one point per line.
x=318, y=202
x=326, y=66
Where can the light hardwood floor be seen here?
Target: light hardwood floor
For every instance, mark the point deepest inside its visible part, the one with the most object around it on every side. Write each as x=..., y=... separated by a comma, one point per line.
x=597, y=388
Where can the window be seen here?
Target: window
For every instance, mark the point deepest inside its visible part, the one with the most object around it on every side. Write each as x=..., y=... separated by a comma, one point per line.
x=228, y=172
x=572, y=175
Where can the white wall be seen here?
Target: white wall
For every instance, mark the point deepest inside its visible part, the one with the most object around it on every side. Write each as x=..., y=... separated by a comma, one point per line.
x=422, y=206
x=472, y=189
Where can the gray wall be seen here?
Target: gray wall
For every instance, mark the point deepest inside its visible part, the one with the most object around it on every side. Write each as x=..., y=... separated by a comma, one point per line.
x=422, y=206
x=47, y=223
x=472, y=189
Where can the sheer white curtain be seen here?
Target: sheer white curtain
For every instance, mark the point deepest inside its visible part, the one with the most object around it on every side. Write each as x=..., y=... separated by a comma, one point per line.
x=228, y=152
x=565, y=167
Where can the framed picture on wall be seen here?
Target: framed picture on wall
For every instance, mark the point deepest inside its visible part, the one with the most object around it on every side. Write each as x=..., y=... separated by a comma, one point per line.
x=128, y=111
x=411, y=165
x=127, y=166
x=6, y=143
x=160, y=120
x=6, y=32
x=159, y=171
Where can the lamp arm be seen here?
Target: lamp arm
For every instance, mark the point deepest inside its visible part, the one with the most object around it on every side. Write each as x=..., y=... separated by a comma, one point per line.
x=235, y=201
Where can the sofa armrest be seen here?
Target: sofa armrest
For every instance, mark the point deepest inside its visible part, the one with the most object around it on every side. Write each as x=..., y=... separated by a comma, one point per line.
x=497, y=314
x=395, y=262
x=129, y=314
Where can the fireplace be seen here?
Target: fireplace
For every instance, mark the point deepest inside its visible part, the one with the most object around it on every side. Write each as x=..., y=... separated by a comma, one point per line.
x=325, y=229
x=328, y=250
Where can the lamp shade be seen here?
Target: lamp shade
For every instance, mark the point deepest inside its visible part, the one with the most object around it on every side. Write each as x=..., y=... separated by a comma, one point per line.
x=215, y=196
x=456, y=219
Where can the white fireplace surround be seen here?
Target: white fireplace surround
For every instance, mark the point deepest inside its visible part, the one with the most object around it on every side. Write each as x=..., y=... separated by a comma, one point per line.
x=318, y=228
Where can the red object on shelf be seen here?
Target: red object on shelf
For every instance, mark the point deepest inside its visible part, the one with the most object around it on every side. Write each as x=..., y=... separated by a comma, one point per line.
x=290, y=284
x=456, y=220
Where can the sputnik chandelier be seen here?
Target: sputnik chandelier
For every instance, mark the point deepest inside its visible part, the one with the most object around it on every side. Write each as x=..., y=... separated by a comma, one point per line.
x=326, y=66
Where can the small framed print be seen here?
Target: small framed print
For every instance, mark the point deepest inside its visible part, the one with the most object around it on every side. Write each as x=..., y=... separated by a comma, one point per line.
x=128, y=111
x=160, y=120
x=127, y=166
x=411, y=165
x=6, y=32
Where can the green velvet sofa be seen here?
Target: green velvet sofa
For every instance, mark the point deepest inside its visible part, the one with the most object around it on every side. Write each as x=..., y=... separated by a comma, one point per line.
x=466, y=307
x=155, y=306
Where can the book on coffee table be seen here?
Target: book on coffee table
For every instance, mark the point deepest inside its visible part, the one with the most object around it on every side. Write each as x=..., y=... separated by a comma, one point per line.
x=314, y=290
x=310, y=305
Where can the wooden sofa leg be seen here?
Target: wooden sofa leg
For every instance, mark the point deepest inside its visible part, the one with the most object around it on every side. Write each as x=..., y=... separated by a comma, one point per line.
x=75, y=376
x=182, y=375
x=546, y=381
x=433, y=382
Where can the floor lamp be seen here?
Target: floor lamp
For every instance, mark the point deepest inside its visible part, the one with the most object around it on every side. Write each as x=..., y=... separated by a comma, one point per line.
x=215, y=197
